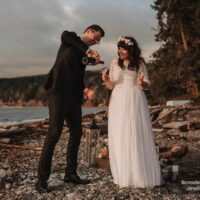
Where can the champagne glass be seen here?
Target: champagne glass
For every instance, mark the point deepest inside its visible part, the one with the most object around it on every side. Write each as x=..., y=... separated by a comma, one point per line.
x=104, y=70
x=141, y=75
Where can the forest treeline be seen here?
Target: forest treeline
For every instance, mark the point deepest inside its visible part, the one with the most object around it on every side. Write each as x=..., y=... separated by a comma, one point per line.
x=174, y=68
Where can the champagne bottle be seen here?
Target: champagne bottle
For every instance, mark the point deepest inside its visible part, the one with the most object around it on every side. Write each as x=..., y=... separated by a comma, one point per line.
x=90, y=61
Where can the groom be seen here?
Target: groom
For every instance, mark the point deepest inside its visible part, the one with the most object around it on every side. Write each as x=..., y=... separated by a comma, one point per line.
x=65, y=87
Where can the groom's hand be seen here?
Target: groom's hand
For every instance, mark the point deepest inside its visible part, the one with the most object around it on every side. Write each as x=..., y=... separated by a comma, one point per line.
x=94, y=54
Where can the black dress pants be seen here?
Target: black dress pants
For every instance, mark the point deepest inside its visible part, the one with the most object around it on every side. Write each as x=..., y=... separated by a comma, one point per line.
x=62, y=108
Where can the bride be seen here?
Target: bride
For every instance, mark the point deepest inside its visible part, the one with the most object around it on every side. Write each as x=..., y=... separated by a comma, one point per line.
x=133, y=157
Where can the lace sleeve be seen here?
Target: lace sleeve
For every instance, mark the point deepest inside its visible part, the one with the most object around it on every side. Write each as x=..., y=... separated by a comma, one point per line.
x=110, y=84
x=111, y=70
x=144, y=72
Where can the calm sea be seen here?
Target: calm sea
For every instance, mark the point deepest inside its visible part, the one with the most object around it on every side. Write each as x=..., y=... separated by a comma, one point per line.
x=12, y=116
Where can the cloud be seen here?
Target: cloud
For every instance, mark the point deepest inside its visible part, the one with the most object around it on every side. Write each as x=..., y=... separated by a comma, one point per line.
x=29, y=35
x=118, y=18
x=30, y=32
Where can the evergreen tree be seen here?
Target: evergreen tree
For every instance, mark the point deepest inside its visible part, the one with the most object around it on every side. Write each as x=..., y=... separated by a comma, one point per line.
x=176, y=64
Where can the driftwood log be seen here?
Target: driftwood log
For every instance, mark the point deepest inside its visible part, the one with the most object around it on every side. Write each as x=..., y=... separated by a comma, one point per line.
x=20, y=147
x=12, y=132
x=177, y=151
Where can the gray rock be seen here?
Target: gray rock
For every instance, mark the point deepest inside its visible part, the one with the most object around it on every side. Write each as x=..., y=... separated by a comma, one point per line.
x=70, y=196
x=8, y=186
x=2, y=173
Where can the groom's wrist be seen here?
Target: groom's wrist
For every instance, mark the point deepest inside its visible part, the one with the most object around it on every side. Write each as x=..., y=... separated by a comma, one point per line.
x=88, y=51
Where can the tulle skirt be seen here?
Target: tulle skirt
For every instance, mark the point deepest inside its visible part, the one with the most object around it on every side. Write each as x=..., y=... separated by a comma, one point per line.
x=132, y=152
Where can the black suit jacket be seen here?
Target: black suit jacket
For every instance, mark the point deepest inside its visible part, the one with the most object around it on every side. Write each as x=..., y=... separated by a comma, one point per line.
x=67, y=74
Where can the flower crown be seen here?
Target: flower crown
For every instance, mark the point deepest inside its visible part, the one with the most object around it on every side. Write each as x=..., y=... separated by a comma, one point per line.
x=125, y=40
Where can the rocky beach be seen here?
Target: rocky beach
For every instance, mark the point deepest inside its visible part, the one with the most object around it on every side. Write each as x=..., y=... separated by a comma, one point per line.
x=176, y=131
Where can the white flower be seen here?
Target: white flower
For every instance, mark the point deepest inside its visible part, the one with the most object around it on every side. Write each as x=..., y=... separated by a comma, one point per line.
x=125, y=40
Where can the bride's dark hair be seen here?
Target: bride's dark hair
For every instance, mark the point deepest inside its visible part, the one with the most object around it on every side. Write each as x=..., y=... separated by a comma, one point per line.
x=131, y=45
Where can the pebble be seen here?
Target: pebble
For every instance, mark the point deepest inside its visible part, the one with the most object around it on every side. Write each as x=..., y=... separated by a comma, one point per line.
x=2, y=173
x=70, y=196
x=23, y=177
x=8, y=186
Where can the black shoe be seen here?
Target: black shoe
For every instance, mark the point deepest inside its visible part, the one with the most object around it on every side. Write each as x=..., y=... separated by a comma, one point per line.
x=42, y=187
x=74, y=178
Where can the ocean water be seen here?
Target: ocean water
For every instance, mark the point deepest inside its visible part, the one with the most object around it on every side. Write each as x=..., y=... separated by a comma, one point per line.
x=12, y=116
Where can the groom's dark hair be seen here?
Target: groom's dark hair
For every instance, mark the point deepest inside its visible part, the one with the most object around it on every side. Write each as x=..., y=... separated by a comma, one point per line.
x=95, y=27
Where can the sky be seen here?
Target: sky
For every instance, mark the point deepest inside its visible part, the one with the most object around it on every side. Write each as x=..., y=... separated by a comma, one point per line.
x=30, y=30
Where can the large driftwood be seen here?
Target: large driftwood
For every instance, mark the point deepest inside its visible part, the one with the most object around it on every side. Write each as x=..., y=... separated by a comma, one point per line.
x=176, y=125
x=177, y=109
x=6, y=140
x=157, y=107
x=164, y=115
x=12, y=132
x=20, y=147
x=23, y=131
x=177, y=151
x=154, y=114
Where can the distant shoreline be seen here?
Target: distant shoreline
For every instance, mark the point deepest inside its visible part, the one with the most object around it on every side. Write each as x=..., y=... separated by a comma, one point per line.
x=19, y=115
x=17, y=106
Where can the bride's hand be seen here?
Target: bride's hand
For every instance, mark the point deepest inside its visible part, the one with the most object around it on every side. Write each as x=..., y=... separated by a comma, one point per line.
x=105, y=77
x=89, y=94
x=140, y=80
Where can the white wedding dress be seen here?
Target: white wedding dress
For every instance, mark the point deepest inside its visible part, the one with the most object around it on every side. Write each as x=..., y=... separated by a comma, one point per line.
x=132, y=153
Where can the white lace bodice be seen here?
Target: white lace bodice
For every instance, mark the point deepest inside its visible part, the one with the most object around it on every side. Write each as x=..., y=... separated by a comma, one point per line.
x=126, y=77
